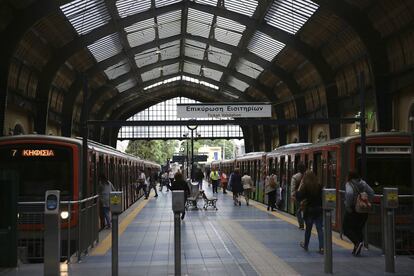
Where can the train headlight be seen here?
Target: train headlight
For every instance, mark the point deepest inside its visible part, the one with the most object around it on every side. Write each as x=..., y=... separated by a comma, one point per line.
x=64, y=214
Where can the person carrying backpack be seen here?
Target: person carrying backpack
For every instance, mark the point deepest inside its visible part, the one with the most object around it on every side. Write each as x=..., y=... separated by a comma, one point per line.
x=358, y=198
x=294, y=186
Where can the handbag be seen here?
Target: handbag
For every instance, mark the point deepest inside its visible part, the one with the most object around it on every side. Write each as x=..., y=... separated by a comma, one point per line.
x=362, y=204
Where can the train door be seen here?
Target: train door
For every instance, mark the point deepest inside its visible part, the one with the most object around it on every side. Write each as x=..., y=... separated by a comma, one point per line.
x=307, y=162
x=282, y=181
x=286, y=190
x=318, y=166
x=331, y=181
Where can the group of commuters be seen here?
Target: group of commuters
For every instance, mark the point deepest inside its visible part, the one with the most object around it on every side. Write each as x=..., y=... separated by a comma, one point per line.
x=306, y=194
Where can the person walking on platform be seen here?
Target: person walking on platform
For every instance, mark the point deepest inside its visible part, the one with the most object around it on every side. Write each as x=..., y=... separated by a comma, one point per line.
x=141, y=183
x=171, y=176
x=271, y=188
x=199, y=175
x=164, y=181
x=248, y=185
x=180, y=184
x=105, y=188
x=354, y=221
x=151, y=180
x=223, y=181
x=311, y=192
x=294, y=186
x=236, y=186
x=214, y=176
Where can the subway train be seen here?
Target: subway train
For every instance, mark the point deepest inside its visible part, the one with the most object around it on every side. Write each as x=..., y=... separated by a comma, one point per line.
x=388, y=165
x=43, y=163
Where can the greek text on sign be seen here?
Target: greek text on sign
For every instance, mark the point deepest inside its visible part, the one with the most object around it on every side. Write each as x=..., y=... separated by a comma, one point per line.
x=224, y=110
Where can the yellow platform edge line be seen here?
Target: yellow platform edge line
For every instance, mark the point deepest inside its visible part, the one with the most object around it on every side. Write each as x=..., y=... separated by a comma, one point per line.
x=106, y=244
x=342, y=243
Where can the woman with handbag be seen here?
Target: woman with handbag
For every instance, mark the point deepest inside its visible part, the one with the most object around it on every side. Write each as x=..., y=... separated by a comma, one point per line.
x=358, y=194
x=310, y=191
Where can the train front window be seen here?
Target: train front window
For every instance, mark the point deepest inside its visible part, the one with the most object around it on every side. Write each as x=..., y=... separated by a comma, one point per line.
x=40, y=168
x=389, y=171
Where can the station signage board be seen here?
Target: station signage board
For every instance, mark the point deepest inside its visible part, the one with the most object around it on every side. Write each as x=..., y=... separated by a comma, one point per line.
x=224, y=110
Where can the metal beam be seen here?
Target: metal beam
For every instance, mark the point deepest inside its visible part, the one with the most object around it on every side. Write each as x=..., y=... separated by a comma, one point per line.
x=68, y=104
x=134, y=92
x=15, y=30
x=241, y=122
x=130, y=97
x=128, y=109
x=377, y=51
x=78, y=44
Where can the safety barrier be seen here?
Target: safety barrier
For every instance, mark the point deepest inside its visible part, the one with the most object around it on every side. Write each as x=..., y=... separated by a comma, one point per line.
x=79, y=230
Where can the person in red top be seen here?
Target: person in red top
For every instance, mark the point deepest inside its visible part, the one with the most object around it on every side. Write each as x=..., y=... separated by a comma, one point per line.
x=223, y=181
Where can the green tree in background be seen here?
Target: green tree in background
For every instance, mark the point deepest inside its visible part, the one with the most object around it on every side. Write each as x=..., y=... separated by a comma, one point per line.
x=155, y=150
x=227, y=144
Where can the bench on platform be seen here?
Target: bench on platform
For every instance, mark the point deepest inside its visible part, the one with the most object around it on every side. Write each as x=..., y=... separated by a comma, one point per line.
x=192, y=201
x=208, y=201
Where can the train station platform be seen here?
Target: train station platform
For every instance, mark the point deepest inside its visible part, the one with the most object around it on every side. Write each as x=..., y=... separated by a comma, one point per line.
x=245, y=240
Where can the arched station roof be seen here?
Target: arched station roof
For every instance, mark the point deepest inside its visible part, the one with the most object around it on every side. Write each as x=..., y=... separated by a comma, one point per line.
x=303, y=56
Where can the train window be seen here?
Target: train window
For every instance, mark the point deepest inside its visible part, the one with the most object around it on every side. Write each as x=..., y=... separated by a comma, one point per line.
x=318, y=166
x=40, y=168
x=296, y=162
x=307, y=165
x=331, y=169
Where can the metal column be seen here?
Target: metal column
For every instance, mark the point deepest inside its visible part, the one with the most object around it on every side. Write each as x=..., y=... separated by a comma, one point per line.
x=114, y=244
x=329, y=204
x=177, y=244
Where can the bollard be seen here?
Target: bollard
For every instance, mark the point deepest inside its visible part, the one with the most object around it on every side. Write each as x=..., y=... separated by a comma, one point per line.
x=177, y=207
x=177, y=244
x=328, y=204
x=390, y=203
x=51, y=262
x=115, y=200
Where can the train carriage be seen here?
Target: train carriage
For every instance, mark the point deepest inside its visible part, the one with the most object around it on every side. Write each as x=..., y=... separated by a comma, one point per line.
x=55, y=163
x=388, y=165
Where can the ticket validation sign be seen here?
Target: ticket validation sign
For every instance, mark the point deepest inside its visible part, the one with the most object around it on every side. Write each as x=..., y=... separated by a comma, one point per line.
x=224, y=110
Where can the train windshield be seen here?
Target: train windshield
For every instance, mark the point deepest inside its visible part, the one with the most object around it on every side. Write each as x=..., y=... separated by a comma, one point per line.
x=389, y=171
x=40, y=168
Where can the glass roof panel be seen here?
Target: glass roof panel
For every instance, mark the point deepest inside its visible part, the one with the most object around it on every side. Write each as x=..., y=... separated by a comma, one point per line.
x=248, y=68
x=106, y=47
x=238, y=84
x=126, y=85
x=246, y=7
x=265, y=46
x=290, y=15
x=161, y=3
x=130, y=7
x=199, y=23
x=86, y=15
x=207, y=2
x=194, y=49
x=152, y=74
x=209, y=85
x=147, y=57
x=192, y=68
x=117, y=70
x=228, y=31
x=219, y=56
x=141, y=32
x=170, y=50
x=170, y=69
x=169, y=24
x=212, y=74
x=162, y=82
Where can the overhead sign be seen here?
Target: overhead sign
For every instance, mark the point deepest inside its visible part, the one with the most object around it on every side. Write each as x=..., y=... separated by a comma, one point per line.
x=200, y=158
x=179, y=158
x=224, y=110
